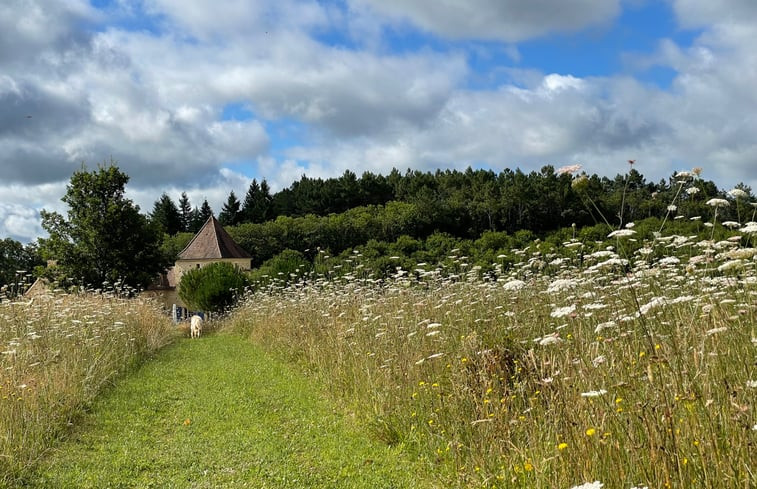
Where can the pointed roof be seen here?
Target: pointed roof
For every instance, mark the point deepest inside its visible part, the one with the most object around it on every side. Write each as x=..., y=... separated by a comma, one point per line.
x=212, y=242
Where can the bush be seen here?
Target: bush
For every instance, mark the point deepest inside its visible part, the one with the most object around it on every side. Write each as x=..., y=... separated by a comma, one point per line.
x=286, y=265
x=212, y=288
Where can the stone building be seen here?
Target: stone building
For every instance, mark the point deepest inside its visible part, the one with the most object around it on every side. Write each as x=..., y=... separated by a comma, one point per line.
x=211, y=244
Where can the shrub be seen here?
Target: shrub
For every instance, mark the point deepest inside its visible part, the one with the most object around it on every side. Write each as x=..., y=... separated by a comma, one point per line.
x=212, y=288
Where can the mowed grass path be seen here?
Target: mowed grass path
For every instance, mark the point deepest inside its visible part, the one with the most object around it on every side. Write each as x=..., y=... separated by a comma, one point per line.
x=218, y=412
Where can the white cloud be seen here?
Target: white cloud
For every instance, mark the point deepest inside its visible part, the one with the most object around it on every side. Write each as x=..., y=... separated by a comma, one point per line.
x=152, y=98
x=503, y=20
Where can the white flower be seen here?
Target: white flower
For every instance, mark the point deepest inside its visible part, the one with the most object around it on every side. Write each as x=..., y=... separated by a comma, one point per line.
x=514, y=285
x=752, y=384
x=621, y=233
x=684, y=174
x=601, y=326
x=718, y=203
x=692, y=190
x=598, y=361
x=589, y=485
x=731, y=224
x=730, y=265
x=550, y=339
x=563, y=311
x=713, y=331
x=561, y=285
x=672, y=208
x=598, y=393
x=736, y=193
x=750, y=228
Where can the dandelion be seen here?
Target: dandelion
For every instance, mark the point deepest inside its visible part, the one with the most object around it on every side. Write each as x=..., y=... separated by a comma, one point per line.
x=562, y=446
x=591, y=432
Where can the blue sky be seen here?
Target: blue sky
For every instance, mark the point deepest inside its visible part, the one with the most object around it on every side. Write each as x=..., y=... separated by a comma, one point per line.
x=200, y=96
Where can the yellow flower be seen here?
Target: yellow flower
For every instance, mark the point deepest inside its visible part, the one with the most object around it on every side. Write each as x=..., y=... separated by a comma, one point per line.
x=591, y=432
x=562, y=446
x=528, y=466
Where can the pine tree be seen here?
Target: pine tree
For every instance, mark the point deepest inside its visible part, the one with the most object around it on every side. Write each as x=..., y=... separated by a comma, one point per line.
x=256, y=203
x=230, y=214
x=166, y=215
x=201, y=216
x=185, y=209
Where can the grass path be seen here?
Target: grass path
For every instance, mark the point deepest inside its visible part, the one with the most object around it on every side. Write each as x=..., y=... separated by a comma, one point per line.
x=218, y=412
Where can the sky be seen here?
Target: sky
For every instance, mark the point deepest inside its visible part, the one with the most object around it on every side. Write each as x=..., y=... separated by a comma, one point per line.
x=203, y=96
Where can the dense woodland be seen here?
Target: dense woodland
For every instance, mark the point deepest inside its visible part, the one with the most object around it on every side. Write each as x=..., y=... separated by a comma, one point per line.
x=419, y=215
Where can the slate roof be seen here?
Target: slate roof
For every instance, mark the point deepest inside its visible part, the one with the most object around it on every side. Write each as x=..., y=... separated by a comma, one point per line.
x=212, y=242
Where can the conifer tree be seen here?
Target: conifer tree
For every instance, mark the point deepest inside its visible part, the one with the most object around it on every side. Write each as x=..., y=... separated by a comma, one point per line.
x=185, y=209
x=230, y=213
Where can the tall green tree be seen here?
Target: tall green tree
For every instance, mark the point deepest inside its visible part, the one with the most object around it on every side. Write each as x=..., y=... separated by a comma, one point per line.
x=257, y=202
x=104, y=237
x=185, y=210
x=17, y=261
x=199, y=217
x=231, y=212
x=166, y=215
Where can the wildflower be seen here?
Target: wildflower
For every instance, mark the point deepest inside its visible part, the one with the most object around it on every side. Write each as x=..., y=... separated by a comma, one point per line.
x=692, y=190
x=514, y=285
x=560, y=285
x=601, y=326
x=562, y=446
x=598, y=393
x=589, y=485
x=672, y=208
x=591, y=432
x=713, y=331
x=752, y=384
x=736, y=193
x=621, y=233
x=749, y=228
x=563, y=311
x=598, y=361
x=730, y=265
x=718, y=203
x=551, y=339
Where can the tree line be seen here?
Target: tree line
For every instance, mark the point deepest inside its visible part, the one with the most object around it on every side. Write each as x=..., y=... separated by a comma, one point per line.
x=105, y=238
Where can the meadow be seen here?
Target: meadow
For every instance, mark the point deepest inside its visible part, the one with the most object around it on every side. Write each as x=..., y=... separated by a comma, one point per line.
x=57, y=353
x=580, y=365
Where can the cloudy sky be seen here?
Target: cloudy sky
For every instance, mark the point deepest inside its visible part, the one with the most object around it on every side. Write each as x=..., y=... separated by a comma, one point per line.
x=203, y=95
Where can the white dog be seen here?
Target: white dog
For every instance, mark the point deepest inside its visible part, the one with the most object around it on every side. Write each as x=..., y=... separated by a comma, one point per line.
x=195, y=327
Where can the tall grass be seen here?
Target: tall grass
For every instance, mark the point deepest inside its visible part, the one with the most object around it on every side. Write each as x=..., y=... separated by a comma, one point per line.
x=564, y=369
x=56, y=353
